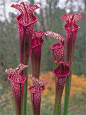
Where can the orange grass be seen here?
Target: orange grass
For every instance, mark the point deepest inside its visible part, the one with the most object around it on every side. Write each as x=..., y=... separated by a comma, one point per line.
x=78, y=84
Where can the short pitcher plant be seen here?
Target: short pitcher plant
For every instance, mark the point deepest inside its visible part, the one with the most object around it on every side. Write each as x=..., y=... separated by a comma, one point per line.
x=35, y=91
x=17, y=84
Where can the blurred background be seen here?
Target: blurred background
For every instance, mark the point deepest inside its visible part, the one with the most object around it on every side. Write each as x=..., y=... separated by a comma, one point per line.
x=49, y=18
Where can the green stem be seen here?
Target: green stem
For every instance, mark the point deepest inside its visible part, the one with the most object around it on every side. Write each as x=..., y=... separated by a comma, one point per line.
x=25, y=72
x=68, y=81
x=56, y=109
x=57, y=105
x=16, y=113
x=59, y=110
x=67, y=94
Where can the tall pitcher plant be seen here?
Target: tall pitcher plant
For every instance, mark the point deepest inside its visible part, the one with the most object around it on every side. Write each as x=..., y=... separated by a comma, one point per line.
x=58, y=55
x=71, y=33
x=26, y=22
